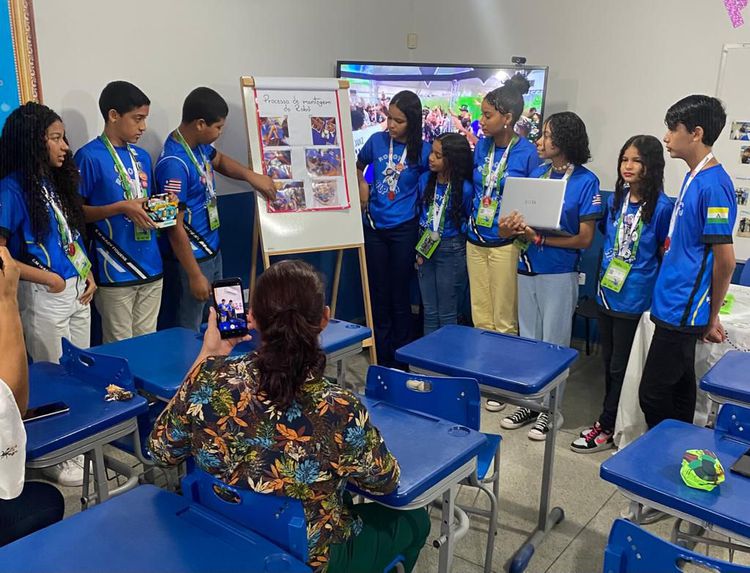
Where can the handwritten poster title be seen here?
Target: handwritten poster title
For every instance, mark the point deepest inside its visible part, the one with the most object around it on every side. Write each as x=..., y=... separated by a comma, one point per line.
x=297, y=104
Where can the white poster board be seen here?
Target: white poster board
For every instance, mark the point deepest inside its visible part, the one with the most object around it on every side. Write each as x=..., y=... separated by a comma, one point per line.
x=299, y=132
x=733, y=145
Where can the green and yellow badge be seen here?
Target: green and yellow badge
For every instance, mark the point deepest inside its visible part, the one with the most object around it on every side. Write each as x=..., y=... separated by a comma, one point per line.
x=718, y=215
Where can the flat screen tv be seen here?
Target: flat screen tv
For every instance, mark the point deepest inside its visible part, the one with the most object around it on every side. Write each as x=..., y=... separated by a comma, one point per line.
x=451, y=95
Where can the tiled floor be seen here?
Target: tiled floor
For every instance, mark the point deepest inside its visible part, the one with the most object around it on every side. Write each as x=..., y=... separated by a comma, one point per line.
x=590, y=504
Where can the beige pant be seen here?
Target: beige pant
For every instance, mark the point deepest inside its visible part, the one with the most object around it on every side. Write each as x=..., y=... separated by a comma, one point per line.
x=493, y=287
x=128, y=311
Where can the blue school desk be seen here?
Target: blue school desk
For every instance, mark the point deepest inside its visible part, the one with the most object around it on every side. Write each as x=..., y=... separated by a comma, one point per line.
x=729, y=379
x=91, y=423
x=146, y=529
x=427, y=473
x=648, y=472
x=514, y=369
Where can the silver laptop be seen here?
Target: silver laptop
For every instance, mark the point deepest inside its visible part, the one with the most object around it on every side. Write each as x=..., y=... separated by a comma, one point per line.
x=540, y=201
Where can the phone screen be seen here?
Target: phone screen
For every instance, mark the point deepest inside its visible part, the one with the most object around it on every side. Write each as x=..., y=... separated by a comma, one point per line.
x=45, y=411
x=230, y=309
x=742, y=465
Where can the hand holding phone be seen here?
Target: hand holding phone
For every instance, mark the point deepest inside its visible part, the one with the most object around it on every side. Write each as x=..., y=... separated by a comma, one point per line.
x=231, y=315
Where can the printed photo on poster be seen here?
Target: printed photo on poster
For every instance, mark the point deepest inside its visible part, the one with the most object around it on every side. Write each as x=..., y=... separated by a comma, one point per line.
x=323, y=130
x=278, y=164
x=740, y=131
x=274, y=131
x=323, y=162
x=290, y=197
x=743, y=228
x=742, y=194
x=745, y=155
x=325, y=193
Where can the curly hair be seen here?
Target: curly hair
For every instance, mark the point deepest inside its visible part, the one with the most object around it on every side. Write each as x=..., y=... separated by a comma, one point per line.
x=23, y=150
x=651, y=153
x=410, y=105
x=508, y=98
x=288, y=305
x=458, y=160
x=569, y=136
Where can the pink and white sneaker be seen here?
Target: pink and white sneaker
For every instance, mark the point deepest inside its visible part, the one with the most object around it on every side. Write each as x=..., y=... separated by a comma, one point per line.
x=595, y=440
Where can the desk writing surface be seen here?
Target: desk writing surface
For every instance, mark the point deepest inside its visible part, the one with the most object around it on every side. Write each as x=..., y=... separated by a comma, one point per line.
x=146, y=529
x=730, y=377
x=503, y=361
x=427, y=448
x=89, y=412
x=649, y=467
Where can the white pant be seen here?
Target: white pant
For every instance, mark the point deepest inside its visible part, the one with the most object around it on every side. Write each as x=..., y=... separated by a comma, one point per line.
x=48, y=317
x=128, y=311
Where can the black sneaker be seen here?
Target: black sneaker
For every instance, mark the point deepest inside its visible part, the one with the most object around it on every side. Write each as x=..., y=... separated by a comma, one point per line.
x=542, y=426
x=519, y=418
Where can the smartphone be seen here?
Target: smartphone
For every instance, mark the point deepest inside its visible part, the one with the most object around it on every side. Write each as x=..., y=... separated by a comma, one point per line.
x=742, y=465
x=230, y=308
x=45, y=411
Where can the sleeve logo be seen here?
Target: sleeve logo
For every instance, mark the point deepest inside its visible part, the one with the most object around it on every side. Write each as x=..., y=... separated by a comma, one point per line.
x=718, y=215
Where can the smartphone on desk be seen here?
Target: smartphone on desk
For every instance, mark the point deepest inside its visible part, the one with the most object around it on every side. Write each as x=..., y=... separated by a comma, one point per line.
x=742, y=465
x=45, y=411
x=231, y=316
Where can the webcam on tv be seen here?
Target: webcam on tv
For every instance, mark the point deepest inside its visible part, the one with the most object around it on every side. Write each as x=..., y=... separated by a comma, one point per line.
x=518, y=60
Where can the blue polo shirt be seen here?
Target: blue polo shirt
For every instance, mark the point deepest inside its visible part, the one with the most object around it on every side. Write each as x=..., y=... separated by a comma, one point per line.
x=15, y=225
x=450, y=229
x=522, y=160
x=706, y=216
x=382, y=211
x=175, y=173
x=635, y=296
x=582, y=202
x=118, y=259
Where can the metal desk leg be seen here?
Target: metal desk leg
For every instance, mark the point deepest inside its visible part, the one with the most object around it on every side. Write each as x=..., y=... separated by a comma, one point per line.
x=547, y=519
x=100, y=475
x=341, y=373
x=447, y=537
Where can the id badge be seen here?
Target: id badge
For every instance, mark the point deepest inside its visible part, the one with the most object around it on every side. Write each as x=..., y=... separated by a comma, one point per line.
x=213, y=214
x=141, y=234
x=617, y=273
x=521, y=244
x=427, y=244
x=80, y=261
x=486, y=214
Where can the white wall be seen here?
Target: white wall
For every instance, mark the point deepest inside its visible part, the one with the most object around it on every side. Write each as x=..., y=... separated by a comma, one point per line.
x=167, y=48
x=618, y=64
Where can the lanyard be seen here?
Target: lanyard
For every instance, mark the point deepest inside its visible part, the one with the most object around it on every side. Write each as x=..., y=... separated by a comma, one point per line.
x=211, y=194
x=66, y=234
x=625, y=246
x=678, y=204
x=390, y=157
x=436, y=218
x=568, y=172
x=393, y=170
x=491, y=177
x=132, y=187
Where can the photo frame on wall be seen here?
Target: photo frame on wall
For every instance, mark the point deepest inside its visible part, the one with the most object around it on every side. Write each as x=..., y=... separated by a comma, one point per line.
x=19, y=65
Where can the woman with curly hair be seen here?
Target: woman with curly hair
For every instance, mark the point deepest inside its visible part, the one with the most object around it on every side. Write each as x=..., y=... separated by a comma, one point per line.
x=445, y=201
x=396, y=157
x=548, y=267
x=272, y=423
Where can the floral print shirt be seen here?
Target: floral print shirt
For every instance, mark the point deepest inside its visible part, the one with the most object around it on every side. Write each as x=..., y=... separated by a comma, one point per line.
x=308, y=451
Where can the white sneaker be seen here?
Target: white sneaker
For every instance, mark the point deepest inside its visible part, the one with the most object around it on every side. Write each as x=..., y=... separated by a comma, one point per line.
x=68, y=473
x=494, y=406
x=542, y=426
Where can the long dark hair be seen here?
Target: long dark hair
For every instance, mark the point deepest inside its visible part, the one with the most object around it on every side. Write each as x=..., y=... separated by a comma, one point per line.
x=288, y=305
x=458, y=159
x=23, y=149
x=652, y=177
x=410, y=105
x=508, y=98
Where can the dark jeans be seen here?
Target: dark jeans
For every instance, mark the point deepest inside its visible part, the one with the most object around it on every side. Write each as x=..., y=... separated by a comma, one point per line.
x=616, y=335
x=667, y=388
x=441, y=278
x=390, y=267
x=39, y=505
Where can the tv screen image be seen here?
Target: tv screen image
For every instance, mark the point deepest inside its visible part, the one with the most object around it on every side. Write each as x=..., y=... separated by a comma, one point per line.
x=451, y=96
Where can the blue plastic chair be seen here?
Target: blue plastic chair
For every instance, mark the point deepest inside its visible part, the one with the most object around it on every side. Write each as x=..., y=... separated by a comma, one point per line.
x=457, y=400
x=279, y=519
x=634, y=550
x=745, y=275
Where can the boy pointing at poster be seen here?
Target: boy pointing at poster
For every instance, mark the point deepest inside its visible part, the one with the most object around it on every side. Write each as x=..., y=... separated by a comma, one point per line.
x=186, y=168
